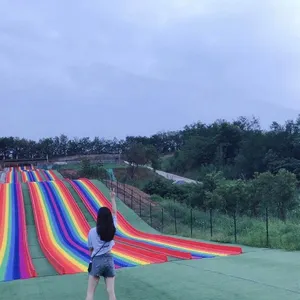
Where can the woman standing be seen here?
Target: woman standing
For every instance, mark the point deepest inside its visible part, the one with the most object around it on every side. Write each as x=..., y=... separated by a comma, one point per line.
x=100, y=243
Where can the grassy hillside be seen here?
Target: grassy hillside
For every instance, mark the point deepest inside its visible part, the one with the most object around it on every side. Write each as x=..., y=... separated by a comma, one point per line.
x=141, y=177
x=129, y=214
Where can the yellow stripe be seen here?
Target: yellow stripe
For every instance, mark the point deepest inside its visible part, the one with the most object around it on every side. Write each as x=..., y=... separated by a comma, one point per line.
x=130, y=258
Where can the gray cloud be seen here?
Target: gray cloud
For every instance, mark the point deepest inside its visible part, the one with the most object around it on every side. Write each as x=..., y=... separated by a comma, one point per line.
x=93, y=68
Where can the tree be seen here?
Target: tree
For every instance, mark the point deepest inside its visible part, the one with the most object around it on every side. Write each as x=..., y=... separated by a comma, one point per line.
x=263, y=185
x=152, y=156
x=229, y=195
x=136, y=155
x=91, y=171
x=285, y=188
x=85, y=165
x=210, y=182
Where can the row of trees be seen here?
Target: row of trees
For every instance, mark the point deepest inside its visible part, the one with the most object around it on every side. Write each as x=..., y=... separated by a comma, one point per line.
x=241, y=166
x=276, y=193
x=11, y=147
x=238, y=149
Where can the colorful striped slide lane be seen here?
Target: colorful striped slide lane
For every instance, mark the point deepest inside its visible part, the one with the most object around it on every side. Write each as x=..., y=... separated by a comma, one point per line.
x=12, y=176
x=88, y=191
x=15, y=259
x=93, y=206
x=50, y=175
x=31, y=176
x=26, y=168
x=125, y=256
x=63, y=230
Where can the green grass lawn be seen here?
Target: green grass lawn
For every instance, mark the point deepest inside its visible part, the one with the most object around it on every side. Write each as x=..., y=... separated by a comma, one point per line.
x=257, y=274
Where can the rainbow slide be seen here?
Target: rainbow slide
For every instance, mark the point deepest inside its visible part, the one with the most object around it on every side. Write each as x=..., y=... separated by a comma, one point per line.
x=15, y=259
x=12, y=176
x=62, y=231
x=93, y=198
x=92, y=206
x=50, y=175
x=38, y=175
x=26, y=168
x=31, y=176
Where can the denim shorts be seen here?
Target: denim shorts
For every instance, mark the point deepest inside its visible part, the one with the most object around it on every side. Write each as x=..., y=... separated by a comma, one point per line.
x=103, y=266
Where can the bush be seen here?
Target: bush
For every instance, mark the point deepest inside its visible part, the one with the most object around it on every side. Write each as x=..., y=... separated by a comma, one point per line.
x=250, y=231
x=166, y=189
x=157, y=198
x=92, y=171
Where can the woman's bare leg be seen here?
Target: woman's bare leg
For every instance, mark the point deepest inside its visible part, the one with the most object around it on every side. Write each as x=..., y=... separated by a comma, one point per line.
x=92, y=284
x=110, y=287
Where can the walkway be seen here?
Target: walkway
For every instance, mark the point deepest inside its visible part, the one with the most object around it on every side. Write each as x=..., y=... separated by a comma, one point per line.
x=170, y=176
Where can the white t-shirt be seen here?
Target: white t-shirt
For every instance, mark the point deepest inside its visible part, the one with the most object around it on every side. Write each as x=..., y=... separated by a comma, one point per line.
x=96, y=243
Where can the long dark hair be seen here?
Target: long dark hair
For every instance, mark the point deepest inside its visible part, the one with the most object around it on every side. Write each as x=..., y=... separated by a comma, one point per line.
x=105, y=225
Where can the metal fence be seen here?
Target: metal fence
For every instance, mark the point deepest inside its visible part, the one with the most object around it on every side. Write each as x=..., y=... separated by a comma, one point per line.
x=178, y=219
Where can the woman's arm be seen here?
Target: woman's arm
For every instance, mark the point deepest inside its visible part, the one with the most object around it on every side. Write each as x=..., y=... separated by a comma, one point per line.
x=90, y=244
x=113, y=202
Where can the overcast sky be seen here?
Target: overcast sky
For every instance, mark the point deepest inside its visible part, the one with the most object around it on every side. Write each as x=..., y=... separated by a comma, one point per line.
x=112, y=68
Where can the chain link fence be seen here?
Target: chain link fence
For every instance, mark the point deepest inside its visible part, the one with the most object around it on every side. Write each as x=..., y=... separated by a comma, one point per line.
x=178, y=219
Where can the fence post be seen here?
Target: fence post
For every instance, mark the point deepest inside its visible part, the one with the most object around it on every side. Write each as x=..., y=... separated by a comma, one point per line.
x=140, y=205
x=267, y=226
x=131, y=199
x=211, y=222
x=191, y=222
x=150, y=214
x=117, y=187
x=162, y=219
x=234, y=222
x=175, y=221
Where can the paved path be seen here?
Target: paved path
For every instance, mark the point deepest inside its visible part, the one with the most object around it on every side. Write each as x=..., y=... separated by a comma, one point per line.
x=174, y=177
x=170, y=176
